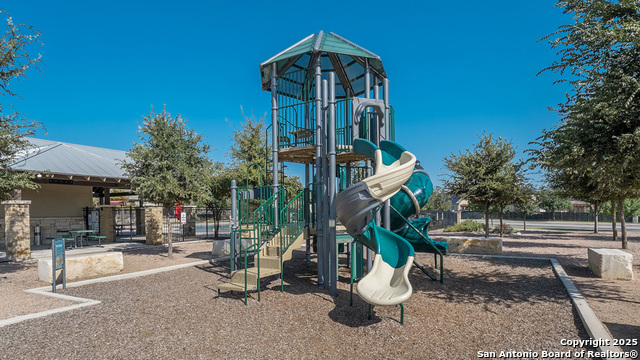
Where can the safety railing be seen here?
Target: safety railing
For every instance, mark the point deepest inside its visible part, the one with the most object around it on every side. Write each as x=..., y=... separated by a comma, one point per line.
x=263, y=227
x=292, y=220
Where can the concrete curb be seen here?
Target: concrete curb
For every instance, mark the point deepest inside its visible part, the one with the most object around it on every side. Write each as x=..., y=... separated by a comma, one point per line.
x=590, y=321
x=47, y=290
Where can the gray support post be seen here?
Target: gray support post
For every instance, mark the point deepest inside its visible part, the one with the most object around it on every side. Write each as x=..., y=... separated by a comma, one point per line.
x=234, y=224
x=274, y=137
x=376, y=125
x=331, y=146
x=367, y=95
x=376, y=134
x=307, y=195
x=326, y=257
x=387, y=131
x=319, y=194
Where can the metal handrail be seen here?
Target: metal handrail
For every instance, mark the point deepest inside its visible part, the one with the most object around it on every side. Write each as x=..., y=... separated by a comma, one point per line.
x=292, y=217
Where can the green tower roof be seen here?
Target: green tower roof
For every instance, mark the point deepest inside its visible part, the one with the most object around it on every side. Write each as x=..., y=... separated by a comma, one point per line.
x=336, y=54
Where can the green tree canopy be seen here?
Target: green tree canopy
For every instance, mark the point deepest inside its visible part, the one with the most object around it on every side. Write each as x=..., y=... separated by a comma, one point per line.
x=250, y=145
x=15, y=60
x=597, y=142
x=440, y=200
x=169, y=163
x=551, y=201
x=485, y=175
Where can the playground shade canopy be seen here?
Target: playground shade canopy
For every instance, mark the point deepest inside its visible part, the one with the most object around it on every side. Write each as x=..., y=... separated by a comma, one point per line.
x=336, y=54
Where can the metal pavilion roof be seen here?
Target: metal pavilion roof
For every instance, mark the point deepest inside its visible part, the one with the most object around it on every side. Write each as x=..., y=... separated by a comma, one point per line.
x=60, y=158
x=336, y=53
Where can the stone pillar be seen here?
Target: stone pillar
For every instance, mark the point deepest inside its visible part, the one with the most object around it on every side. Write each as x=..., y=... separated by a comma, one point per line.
x=107, y=223
x=190, y=226
x=153, y=224
x=139, y=221
x=17, y=230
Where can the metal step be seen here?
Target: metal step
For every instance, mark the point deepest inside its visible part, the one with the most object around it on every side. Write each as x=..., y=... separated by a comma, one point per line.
x=235, y=287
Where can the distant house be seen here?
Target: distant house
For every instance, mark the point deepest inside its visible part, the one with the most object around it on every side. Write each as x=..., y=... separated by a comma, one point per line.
x=580, y=206
x=458, y=204
x=70, y=176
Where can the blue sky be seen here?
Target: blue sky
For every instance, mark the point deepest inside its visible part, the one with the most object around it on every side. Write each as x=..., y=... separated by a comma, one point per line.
x=456, y=69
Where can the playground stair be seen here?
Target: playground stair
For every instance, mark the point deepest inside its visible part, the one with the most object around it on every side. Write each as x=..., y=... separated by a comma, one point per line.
x=269, y=260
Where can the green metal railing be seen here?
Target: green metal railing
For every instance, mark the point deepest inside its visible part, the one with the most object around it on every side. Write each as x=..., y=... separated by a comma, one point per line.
x=428, y=241
x=297, y=124
x=292, y=224
x=263, y=228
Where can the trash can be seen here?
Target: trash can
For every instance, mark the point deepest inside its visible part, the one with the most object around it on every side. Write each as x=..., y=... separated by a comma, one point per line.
x=36, y=235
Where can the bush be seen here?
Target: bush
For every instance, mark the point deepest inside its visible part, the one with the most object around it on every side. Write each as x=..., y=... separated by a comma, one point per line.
x=467, y=225
x=506, y=229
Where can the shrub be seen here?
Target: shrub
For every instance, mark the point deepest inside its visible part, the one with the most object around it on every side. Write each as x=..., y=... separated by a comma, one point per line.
x=467, y=225
x=506, y=229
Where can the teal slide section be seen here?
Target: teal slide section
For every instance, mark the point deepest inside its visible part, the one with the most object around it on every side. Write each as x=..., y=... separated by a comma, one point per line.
x=421, y=188
x=393, y=248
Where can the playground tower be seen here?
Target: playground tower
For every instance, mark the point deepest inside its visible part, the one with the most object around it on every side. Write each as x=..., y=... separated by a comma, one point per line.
x=325, y=92
x=330, y=111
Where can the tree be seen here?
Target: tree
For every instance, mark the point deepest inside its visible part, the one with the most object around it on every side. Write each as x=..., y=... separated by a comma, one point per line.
x=524, y=203
x=250, y=146
x=510, y=188
x=169, y=163
x=219, y=192
x=598, y=139
x=552, y=201
x=15, y=60
x=439, y=200
x=480, y=175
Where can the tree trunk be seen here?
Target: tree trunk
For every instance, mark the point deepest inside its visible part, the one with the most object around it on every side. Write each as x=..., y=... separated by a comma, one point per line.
x=170, y=236
x=501, y=226
x=595, y=220
x=623, y=224
x=524, y=221
x=486, y=220
x=613, y=220
x=216, y=221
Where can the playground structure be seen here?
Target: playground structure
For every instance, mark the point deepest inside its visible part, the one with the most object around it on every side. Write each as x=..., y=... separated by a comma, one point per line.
x=360, y=185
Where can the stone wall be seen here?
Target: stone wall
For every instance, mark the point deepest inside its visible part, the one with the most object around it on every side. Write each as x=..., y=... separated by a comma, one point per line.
x=107, y=223
x=153, y=224
x=17, y=229
x=49, y=227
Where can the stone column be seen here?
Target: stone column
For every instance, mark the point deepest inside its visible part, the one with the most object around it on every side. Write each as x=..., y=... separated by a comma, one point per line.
x=190, y=226
x=153, y=224
x=107, y=223
x=17, y=230
x=139, y=221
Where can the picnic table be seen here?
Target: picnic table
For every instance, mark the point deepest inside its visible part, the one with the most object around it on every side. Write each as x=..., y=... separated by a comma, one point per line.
x=79, y=235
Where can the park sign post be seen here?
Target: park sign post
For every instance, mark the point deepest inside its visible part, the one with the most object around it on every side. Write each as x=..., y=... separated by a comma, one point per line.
x=59, y=261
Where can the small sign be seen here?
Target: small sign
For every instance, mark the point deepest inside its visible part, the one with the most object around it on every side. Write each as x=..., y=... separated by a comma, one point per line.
x=58, y=262
x=183, y=218
x=58, y=253
x=332, y=223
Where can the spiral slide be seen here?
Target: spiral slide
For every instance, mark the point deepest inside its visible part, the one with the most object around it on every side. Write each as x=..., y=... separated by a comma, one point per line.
x=387, y=283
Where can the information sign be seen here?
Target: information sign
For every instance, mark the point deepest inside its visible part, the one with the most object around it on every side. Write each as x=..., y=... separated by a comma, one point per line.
x=58, y=262
x=183, y=218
